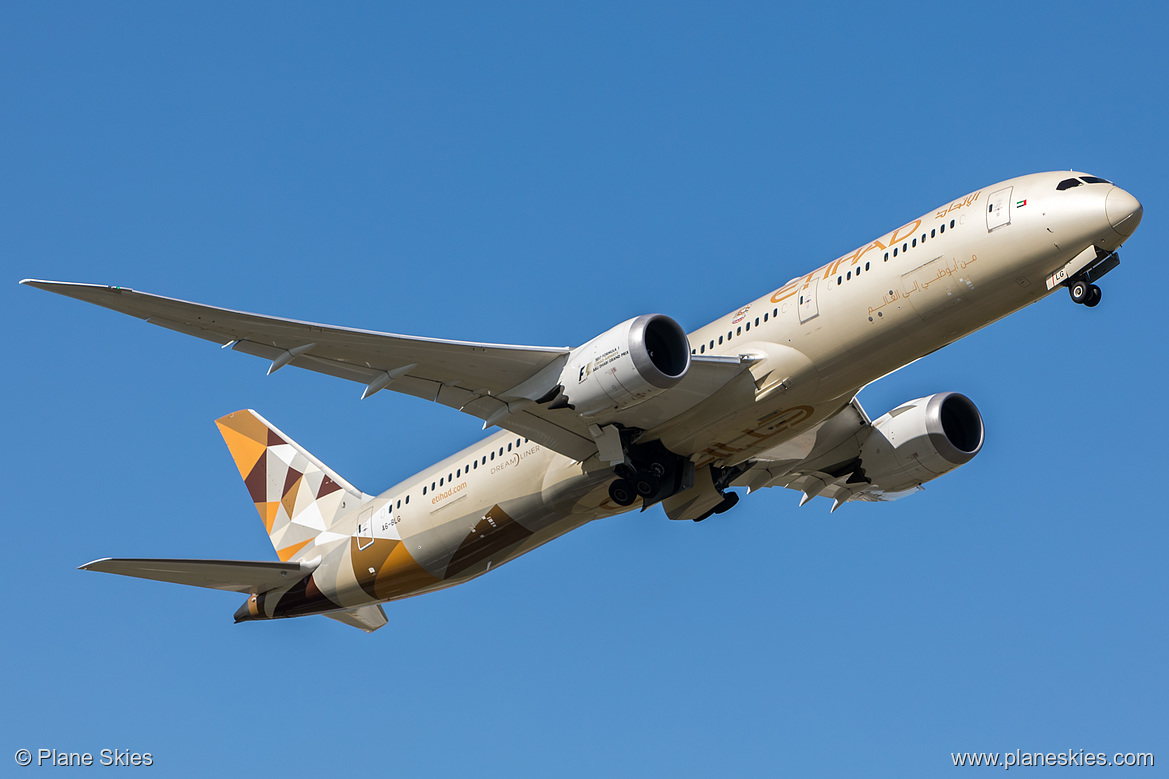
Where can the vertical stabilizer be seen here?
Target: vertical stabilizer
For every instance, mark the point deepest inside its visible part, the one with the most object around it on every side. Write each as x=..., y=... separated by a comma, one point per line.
x=298, y=497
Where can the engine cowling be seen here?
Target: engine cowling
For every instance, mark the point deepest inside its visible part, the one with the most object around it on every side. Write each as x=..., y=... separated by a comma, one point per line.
x=626, y=365
x=921, y=440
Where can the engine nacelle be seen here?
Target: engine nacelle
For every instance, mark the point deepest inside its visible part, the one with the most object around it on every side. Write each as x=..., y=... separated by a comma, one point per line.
x=921, y=440
x=626, y=365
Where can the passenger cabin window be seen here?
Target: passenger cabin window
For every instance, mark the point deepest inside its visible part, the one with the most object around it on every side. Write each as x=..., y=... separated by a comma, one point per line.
x=1067, y=184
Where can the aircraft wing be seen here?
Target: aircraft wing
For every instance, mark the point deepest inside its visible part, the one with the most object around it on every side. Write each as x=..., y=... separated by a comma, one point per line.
x=492, y=382
x=821, y=462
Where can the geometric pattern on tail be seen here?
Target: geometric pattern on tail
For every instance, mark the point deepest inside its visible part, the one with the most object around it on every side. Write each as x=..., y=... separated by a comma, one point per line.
x=297, y=496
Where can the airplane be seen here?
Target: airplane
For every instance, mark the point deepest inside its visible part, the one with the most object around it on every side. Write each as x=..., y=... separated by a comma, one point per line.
x=643, y=414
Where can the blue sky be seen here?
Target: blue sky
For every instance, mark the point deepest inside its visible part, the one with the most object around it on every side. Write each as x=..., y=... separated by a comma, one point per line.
x=535, y=173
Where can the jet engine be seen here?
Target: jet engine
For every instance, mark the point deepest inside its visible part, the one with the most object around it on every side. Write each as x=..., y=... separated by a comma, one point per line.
x=624, y=366
x=921, y=440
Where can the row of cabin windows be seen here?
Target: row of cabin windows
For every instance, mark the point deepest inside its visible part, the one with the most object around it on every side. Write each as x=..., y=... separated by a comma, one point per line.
x=848, y=276
x=913, y=244
x=472, y=466
x=737, y=331
x=933, y=233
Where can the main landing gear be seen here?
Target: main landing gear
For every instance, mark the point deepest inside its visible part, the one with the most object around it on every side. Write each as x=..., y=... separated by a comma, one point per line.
x=646, y=482
x=1085, y=293
x=650, y=472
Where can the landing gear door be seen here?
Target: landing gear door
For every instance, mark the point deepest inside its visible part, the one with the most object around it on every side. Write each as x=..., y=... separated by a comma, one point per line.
x=809, y=309
x=998, y=213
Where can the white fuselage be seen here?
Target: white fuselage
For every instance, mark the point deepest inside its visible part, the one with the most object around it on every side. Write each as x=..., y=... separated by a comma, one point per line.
x=815, y=342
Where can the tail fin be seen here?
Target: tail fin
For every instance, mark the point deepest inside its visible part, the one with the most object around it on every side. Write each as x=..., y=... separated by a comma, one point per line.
x=297, y=495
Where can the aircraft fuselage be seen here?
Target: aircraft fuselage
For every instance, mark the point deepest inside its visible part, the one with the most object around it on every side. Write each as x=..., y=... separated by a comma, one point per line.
x=815, y=342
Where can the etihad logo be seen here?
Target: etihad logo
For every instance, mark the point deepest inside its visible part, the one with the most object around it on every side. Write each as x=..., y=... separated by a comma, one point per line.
x=966, y=201
x=899, y=235
x=769, y=426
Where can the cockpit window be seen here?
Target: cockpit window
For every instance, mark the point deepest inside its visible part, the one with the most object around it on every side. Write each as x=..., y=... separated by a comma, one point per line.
x=1068, y=184
x=1094, y=180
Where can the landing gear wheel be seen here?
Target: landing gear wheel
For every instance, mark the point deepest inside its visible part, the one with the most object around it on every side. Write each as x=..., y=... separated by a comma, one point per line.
x=1080, y=291
x=621, y=492
x=647, y=484
x=1094, y=295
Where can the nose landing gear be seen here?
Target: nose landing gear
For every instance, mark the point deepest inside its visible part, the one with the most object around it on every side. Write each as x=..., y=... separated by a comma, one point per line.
x=1085, y=293
x=1082, y=287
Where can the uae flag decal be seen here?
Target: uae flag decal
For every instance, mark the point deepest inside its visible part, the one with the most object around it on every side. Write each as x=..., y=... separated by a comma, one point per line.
x=1020, y=203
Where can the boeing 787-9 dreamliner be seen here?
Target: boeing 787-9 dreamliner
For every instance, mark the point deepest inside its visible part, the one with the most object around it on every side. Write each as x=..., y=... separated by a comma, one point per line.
x=644, y=413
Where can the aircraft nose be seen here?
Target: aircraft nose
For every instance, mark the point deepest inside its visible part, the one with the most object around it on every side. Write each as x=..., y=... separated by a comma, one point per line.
x=1124, y=211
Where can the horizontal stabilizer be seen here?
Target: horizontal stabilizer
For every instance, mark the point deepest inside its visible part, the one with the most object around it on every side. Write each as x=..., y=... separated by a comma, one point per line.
x=231, y=575
x=368, y=618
